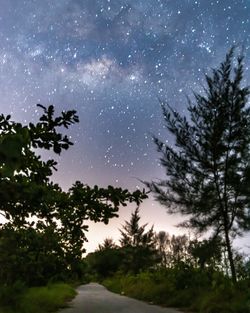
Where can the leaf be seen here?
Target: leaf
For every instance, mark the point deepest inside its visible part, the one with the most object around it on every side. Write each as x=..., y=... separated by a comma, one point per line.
x=41, y=106
x=57, y=149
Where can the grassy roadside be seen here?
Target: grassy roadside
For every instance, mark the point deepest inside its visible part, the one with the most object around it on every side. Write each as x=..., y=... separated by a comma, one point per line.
x=222, y=297
x=37, y=299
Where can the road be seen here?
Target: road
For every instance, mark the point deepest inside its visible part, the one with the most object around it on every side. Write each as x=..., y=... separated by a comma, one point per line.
x=94, y=298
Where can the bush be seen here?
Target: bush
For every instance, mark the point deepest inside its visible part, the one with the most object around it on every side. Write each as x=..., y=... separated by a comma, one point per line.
x=36, y=299
x=198, y=291
x=144, y=286
x=10, y=295
x=47, y=299
x=227, y=298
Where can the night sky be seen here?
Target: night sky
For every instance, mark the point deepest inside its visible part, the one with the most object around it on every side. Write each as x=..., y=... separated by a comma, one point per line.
x=111, y=60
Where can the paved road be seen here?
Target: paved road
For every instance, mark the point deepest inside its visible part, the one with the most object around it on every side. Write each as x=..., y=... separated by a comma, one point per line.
x=94, y=298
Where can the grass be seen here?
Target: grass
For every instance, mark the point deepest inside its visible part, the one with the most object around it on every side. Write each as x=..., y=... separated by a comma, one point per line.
x=38, y=299
x=143, y=286
x=196, y=296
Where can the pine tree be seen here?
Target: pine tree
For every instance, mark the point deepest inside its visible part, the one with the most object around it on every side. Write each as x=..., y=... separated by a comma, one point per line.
x=208, y=169
x=138, y=245
x=135, y=235
x=107, y=244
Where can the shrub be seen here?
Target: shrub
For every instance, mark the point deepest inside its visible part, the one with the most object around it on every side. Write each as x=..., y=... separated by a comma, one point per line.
x=10, y=295
x=46, y=299
x=36, y=299
x=201, y=291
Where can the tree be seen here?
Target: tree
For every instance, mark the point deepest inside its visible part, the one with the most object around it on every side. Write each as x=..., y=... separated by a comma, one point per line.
x=25, y=187
x=36, y=208
x=25, y=192
x=207, y=252
x=33, y=256
x=208, y=169
x=179, y=249
x=107, y=244
x=83, y=203
x=134, y=235
x=138, y=245
x=162, y=241
x=106, y=260
x=173, y=250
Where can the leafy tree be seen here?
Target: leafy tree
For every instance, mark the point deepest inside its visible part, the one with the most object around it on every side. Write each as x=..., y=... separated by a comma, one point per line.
x=27, y=192
x=30, y=255
x=172, y=250
x=162, y=242
x=106, y=260
x=208, y=170
x=25, y=189
x=207, y=252
x=83, y=203
x=179, y=249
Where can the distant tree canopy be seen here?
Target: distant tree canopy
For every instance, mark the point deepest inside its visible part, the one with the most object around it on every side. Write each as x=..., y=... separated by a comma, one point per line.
x=208, y=170
x=161, y=252
x=108, y=243
x=36, y=209
x=137, y=250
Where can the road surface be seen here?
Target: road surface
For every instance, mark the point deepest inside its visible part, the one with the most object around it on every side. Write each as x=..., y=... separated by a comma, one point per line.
x=94, y=298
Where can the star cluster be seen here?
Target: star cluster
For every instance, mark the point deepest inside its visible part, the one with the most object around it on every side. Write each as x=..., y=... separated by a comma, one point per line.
x=112, y=60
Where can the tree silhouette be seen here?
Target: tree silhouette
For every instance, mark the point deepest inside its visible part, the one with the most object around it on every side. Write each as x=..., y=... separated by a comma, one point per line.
x=137, y=244
x=107, y=244
x=207, y=252
x=134, y=235
x=106, y=260
x=208, y=169
x=37, y=209
x=162, y=241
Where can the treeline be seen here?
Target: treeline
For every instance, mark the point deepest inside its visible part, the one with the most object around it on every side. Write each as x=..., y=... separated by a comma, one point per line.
x=171, y=270
x=140, y=250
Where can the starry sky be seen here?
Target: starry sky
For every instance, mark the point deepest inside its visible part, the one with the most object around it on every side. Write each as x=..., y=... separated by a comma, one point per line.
x=112, y=60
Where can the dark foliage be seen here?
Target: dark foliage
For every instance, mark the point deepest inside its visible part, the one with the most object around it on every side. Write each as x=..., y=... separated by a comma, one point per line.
x=137, y=245
x=208, y=169
x=44, y=234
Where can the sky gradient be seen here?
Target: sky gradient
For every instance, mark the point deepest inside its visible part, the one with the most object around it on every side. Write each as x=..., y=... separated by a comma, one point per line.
x=112, y=60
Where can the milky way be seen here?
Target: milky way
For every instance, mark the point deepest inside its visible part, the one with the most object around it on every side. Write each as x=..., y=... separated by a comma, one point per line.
x=112, y=60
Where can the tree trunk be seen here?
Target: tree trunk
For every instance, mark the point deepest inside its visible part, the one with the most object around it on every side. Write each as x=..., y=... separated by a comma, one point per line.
x=230, y=256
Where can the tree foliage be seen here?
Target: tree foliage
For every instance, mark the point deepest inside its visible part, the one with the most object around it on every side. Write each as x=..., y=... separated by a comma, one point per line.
x=105, y=261
x=135, y=235
x=45, y=226
x=137, y=250
x=107, y=244
x=207, y=252
x=138, y=245
x=208, y=169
